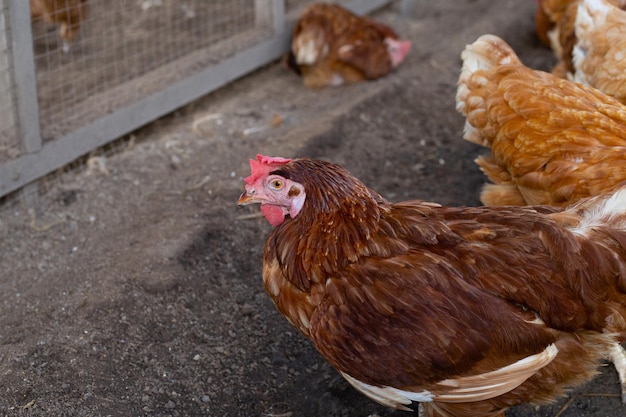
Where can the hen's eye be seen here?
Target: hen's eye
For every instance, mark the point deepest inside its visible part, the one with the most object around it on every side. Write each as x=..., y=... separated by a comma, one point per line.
x=276, y=184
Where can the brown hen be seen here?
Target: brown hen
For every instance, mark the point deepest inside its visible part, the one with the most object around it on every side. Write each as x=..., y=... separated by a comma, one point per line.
x=68, y=14
x=552, y=141
x=332, y=46
x=467, y=310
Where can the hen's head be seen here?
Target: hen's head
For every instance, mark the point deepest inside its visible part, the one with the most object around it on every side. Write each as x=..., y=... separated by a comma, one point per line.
x=278, y=196
x=397, y=50
x=332, y=194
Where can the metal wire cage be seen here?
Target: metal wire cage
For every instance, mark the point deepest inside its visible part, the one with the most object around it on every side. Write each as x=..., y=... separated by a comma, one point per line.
x=126, y=50
x=77, y=74
x=9, y=144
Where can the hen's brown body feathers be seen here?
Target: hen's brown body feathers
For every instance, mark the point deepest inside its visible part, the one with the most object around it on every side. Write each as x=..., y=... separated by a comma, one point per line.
x=68, y=14
x=417, y=302
x=552, y=141
x=332, y=46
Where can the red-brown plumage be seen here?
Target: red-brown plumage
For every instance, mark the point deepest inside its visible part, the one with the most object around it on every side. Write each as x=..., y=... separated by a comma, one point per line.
x=332, y=46
x=411, y=294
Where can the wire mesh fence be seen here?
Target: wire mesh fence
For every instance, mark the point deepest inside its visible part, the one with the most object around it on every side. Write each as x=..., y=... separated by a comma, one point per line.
x=126, y=50
x=9, y=144
x=91, y=71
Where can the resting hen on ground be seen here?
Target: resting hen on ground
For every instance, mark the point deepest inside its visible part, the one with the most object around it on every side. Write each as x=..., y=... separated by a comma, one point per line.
x=467, y=310
x=332, y=46
x=68, y=14
x=552, y=141
x=600, y=47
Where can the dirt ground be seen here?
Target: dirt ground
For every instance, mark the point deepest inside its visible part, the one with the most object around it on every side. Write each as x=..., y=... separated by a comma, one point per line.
x=136, y=289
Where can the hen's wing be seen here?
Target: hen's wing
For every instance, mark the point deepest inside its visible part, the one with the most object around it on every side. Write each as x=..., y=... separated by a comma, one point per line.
x=553, y=140
x=365, y=50
x=471, y=319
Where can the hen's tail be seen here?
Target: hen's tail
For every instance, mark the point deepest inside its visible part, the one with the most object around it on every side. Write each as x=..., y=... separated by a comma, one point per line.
x=486, y=53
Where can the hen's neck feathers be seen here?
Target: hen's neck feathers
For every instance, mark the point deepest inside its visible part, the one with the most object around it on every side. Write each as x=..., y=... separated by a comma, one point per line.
x=331, y=190
x=339, y=211
x=343, y=220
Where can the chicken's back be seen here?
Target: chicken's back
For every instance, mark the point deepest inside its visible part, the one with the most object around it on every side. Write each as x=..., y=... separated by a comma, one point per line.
x=320, y=24
x=598, y=57
x=552, y=141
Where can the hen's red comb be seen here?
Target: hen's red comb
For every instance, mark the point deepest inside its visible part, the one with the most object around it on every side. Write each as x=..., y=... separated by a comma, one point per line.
x=263, y=166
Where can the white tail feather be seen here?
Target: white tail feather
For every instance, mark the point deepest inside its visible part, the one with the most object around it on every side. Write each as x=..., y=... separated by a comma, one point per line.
x=464, y=389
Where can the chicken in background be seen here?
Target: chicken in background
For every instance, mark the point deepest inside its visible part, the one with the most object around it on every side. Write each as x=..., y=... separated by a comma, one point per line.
x=67, y=14
x=467, y=310
x=331, y=46
x=599, y=52
x=555, y=22
x=548, y=18
x=545, y=20
x=552, y=141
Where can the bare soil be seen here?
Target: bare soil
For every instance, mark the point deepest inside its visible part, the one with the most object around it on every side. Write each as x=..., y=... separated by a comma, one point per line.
x=136, y=290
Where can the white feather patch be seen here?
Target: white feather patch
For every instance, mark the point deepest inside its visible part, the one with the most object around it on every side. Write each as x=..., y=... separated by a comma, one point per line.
x=590, y=16
x=592, y=13
x=464, y=389
x=618, y=358
x=603, y=211
x=492, y=384
x=389, y=396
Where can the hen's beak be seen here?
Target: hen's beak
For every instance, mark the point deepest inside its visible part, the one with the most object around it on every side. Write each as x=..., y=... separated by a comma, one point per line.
x=246, y=198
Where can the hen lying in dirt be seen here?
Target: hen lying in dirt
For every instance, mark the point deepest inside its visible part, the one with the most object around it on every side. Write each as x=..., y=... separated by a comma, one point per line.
x=332, y=46
x=466, y=310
